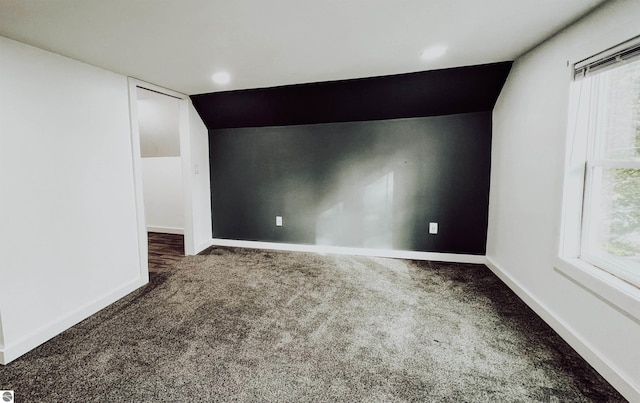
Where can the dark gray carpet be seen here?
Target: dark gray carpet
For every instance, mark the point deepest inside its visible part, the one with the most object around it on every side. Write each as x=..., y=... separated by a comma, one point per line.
x=250, y=325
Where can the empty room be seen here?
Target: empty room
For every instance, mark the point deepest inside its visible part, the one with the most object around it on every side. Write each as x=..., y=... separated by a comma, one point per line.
x=287, y=201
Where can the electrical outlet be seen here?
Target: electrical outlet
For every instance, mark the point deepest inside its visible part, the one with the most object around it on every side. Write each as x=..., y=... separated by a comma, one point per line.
x=278, y=221
x=433, y=227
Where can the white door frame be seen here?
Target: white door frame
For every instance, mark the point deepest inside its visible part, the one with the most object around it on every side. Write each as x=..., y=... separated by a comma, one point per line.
x=185, y=157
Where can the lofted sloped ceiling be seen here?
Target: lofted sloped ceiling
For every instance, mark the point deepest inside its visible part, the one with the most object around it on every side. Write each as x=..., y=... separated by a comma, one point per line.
x=180, y=44
x=429, y=93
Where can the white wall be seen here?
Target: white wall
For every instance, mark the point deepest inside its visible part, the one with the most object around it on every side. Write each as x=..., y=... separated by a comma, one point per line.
x=158, y=124
x=529, y=136
x=69, y=235
x=200, y=185
x=163, y=200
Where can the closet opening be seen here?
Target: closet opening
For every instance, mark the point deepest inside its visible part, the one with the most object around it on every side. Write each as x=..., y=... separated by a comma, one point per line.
x=161, y=161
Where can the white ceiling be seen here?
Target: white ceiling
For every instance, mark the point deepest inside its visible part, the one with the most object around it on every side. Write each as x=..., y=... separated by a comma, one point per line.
x=179, y=44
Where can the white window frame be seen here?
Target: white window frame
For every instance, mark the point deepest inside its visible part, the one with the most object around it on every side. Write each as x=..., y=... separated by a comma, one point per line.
x=592, y=186
x=594, y=273
x=592, y=183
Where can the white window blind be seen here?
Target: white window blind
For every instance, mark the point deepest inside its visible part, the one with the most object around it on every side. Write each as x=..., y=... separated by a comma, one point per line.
x=625, y=52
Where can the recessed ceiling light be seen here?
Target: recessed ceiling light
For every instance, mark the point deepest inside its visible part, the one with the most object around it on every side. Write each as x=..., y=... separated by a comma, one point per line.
x=221, y=77
x=433, y=52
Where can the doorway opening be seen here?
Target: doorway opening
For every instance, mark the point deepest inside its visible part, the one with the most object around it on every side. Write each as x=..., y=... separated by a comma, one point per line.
x=160, y=140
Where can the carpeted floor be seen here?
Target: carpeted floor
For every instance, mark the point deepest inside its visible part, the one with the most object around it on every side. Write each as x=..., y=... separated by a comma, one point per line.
x=250, y=325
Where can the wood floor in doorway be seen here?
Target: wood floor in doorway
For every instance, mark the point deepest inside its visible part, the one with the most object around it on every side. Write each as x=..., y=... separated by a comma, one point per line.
x=164, y=250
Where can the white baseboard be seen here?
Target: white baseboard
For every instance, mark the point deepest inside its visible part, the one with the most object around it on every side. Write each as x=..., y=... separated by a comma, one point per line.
x=165, y=230
x=14, y=350
x=340, y=250
x=594, y=357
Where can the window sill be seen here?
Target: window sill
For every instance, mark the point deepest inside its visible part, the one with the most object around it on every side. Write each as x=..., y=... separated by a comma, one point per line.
x=608, y=287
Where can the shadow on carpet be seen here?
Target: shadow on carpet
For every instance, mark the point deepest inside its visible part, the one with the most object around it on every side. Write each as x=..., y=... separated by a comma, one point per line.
x=251, y=325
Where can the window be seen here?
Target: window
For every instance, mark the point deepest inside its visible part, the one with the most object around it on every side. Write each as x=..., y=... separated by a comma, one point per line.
x=607, y=131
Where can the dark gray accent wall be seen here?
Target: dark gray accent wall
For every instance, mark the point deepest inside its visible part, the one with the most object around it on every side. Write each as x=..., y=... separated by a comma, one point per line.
x=367, y=162
x=373, y=184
